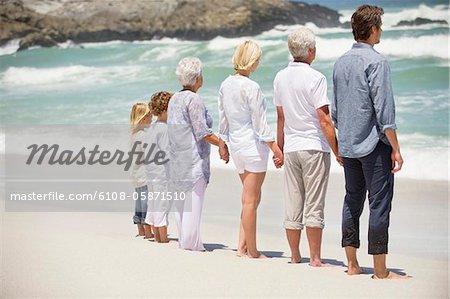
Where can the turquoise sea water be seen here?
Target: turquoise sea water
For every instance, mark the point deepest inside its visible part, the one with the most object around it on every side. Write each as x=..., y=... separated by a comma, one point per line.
x=98, y=82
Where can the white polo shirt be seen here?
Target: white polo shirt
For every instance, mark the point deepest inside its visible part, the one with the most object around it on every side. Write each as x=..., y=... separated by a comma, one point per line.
x=300, y=90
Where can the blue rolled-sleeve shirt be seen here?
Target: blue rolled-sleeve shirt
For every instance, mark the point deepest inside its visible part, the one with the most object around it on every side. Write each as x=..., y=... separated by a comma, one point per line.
x=362, y=107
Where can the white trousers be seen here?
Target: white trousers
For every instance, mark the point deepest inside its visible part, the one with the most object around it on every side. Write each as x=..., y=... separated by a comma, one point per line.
x=188, y=217
x=157, y=209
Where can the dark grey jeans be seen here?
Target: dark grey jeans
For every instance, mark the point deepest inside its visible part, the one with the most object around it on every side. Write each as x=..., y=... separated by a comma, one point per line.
x=140, y=208
x=371, y=174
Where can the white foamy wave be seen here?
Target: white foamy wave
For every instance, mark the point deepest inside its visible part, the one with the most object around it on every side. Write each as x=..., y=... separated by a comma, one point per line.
x=167, y=52
x=284, y=30
x=158, y=54
x=113, y=43
x=223, y=43
x=62, y=77
x=426, y=157
x=10, y=48
x=69, y=44
x=332, y=48
x=416, y=46
x=164, y=40
x=430, y=100
x=399, y=47
x=390, y=19
x=103, y=44
x=438, y=12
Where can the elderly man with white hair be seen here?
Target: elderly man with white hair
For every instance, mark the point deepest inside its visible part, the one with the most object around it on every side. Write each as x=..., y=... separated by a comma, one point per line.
x=305, y=134
x=186, y=109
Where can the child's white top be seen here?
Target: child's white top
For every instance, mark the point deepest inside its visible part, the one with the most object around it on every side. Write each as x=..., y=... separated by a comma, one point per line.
x=137, y=171
x=157, y=134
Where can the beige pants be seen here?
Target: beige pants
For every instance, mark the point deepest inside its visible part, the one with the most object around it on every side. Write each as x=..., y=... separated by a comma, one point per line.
x=306, y=179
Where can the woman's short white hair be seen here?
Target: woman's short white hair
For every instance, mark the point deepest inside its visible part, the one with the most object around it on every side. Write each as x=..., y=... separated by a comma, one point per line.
x=300, y=41
x=188, y=70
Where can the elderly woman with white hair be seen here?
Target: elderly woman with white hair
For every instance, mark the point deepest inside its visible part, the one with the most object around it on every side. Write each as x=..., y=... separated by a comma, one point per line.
x=186, y=109
x=243, y=125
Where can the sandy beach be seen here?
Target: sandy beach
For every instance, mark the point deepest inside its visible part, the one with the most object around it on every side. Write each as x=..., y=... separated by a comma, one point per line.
x=96, y=254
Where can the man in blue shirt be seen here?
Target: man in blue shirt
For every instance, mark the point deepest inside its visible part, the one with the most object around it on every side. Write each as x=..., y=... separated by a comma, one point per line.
x=363, y=111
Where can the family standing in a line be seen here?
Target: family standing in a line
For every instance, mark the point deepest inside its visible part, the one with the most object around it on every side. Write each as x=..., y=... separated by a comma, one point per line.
x=362, y=110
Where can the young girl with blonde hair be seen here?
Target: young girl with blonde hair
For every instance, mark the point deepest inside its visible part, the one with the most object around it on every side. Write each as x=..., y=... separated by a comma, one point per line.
x=140, y=119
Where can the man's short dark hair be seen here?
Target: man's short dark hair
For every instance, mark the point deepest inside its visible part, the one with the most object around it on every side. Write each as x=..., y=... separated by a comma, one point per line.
x=363, y=19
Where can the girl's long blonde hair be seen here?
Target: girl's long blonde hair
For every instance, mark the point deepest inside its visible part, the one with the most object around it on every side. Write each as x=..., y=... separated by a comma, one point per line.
x=138, y=112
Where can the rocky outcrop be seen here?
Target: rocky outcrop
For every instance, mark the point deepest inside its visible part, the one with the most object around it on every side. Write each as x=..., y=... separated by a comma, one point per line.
x=46, y=23
x=420, y=21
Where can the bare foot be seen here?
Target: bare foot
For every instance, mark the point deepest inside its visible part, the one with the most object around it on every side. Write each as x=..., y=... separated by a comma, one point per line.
x=296, y=260
x=296, y=257
x=258, y=256
x=319, y=264
x=241, y=253
x=354, y=270
x=391, y=275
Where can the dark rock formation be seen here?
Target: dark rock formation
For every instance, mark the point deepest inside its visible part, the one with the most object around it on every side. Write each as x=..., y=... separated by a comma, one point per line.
x=36, y=39
x=420, y=21
x=46, y=23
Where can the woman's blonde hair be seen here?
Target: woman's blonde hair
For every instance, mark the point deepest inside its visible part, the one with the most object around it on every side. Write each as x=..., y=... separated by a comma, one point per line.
x=246, y=55
x=138, y=112
x=160, y=102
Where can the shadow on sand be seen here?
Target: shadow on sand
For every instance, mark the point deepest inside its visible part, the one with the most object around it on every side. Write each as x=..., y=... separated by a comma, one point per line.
x=215, y=246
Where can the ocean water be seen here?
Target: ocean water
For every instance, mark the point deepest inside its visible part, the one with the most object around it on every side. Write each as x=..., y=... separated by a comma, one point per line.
x=97, y=83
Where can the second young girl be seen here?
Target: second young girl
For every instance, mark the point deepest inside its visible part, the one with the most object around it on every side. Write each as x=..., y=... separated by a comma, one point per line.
x=157, y=175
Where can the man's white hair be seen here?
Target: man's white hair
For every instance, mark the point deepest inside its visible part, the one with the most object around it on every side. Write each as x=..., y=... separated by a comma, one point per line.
x=188, y=70
x=300, y=41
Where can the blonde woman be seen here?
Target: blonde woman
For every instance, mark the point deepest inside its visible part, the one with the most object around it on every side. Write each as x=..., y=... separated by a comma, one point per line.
x=243, y=125
x=140, y=118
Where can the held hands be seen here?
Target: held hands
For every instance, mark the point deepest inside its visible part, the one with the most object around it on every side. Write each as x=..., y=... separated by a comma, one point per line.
x=340, y=160
x=223, y=152
x=278, y=157
x=277, y=161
